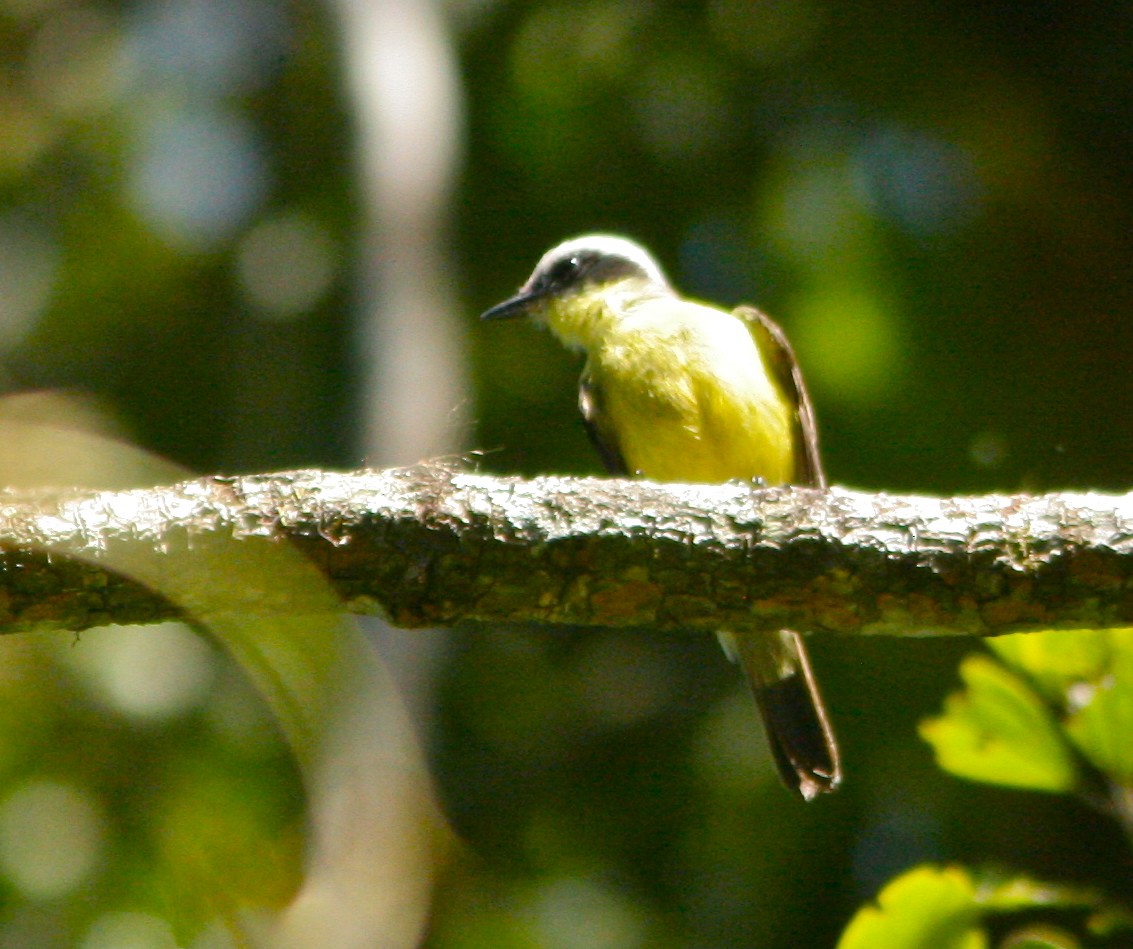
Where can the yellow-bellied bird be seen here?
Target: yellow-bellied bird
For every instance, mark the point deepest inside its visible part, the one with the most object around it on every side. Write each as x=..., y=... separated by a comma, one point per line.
x=675, y=390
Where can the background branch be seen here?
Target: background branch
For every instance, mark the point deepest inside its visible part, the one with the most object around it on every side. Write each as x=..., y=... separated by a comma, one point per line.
x=435, y=546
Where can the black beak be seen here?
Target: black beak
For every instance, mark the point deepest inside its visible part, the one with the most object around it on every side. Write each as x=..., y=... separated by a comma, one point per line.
x=516, y=306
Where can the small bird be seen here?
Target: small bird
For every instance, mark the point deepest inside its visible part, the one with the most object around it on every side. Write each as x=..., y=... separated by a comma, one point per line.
x=675, y=390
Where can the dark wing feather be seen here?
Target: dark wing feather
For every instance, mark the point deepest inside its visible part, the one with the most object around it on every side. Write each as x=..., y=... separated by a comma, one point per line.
x=785, y=371
x=596, y=420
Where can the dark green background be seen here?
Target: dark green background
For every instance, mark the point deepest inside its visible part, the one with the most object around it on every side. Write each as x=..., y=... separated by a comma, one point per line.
x=933, y=199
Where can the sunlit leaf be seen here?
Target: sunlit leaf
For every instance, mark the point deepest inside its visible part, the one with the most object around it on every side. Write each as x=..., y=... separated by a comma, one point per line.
x=926, y=908
x=999, y=731
x=932, y=907
x=1090, y=673
x=1057, y=660
x=1101, y=729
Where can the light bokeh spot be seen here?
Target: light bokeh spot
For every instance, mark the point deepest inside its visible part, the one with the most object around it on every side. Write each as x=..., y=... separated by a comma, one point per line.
x=28, y=260
x=126, y=930
x=285, y=265
x=850, y=341
x=146, y=672
x=51, y=838
x=76, y=63
x=581, y=913
x=197, y=175
x=924, y=184
x=213, y=47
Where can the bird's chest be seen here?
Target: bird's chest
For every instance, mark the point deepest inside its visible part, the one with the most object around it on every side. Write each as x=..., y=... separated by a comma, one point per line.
x=689, y=409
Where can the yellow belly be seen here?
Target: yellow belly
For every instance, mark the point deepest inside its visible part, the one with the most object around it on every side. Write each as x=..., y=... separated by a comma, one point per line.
x=667, y=448
x=696, y=406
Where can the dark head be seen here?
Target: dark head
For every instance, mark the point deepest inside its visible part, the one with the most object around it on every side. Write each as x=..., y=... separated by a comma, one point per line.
x=579, y=268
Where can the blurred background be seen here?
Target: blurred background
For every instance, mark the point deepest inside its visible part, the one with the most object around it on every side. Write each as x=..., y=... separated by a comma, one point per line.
x=250, y=235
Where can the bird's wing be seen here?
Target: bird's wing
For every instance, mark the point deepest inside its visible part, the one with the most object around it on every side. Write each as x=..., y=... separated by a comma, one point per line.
x=784, y=369
x=596, y=420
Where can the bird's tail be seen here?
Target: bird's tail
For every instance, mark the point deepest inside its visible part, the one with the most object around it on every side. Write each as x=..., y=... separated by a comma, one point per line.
x=778, y=670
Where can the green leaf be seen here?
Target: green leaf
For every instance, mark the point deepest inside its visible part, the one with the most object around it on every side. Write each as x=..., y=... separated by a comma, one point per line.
x=932, y=907
x=1090, y=673
x=1101, y=729
x=1058, y=660
x=999, y=731
x=926, y=908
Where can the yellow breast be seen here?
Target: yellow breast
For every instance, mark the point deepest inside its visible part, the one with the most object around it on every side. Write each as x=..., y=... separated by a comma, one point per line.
x=690, y=399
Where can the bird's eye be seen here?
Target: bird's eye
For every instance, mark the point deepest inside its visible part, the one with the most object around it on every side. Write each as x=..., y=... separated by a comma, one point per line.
x=565, y=270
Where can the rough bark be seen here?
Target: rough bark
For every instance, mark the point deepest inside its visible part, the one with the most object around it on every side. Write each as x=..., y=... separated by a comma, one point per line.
x=435, y=546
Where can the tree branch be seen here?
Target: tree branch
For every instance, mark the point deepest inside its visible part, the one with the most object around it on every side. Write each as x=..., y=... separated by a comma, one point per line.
x=436, y=546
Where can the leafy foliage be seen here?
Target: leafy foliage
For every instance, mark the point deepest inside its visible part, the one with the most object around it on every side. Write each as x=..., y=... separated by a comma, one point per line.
x=1062, y=696
x=999, y=731
x=1051, y=716
x=933, y=907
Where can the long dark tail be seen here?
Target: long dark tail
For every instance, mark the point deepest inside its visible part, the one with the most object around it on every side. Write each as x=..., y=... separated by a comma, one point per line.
x=778, y=670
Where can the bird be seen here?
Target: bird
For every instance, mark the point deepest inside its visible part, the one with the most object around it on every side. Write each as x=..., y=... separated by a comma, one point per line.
x=681, y=391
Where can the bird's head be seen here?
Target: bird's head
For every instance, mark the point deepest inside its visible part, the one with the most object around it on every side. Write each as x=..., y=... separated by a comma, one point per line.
x=573, y=280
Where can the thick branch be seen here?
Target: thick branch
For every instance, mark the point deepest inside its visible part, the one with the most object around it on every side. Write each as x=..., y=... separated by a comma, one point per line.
x=431, y=546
